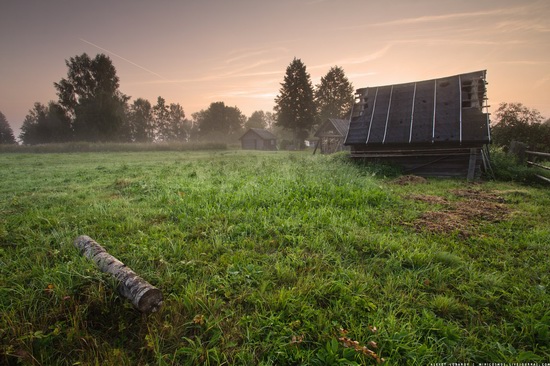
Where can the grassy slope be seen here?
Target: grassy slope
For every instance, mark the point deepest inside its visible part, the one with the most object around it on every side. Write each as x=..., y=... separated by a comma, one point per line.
x=263, y=258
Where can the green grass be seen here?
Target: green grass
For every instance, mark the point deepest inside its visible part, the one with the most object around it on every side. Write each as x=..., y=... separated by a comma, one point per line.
x=265, y=258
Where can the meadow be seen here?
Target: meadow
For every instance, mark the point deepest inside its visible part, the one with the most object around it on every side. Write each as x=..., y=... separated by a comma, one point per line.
x=268, y=258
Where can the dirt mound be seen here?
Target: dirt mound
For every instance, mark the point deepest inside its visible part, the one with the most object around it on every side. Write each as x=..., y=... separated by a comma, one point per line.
x=428, y=199
x=462, y=216
x=409, y=179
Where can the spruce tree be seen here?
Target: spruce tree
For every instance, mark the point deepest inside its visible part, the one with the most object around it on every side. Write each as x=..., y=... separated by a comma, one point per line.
x=6, y=133
x=334, y=95
x=295, y=105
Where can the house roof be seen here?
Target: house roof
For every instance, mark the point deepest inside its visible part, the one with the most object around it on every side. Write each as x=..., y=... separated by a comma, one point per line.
x=443, y=110
x=340, y=125
x=263, y=134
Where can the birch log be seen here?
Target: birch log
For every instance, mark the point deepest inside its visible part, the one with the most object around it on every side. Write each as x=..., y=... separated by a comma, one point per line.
x=145, y=297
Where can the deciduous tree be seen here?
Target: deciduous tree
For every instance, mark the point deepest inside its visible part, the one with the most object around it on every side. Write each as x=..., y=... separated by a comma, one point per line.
x=6, y=133
x=91, y=97
x=179, y=126
x=334, y=95
x=219, y=122
x=141, y=121
x=32, y=130
x=514, y=121
x=161, y=116
x=256, y=120
x=46, y=124
x=295, y=105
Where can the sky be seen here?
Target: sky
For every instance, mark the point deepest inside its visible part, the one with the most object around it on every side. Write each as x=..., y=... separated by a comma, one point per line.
x=196, y=52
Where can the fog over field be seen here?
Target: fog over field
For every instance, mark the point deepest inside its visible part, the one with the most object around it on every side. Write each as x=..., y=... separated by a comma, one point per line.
x=197, y=53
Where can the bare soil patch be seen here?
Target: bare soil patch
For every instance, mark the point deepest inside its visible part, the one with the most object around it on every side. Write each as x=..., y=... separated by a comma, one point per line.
x=463, y=216
x=429, y=199
x=409, y=179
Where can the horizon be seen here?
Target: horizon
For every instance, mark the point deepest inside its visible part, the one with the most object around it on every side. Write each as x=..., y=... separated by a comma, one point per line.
x=237, y=52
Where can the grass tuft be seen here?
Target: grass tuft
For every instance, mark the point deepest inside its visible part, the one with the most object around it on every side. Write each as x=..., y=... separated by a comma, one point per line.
x=268, y=258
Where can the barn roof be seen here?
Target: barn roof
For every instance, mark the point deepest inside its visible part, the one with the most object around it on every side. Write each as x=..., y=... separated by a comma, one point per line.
x=437, y=111
x=340, y=125
x=263, y=134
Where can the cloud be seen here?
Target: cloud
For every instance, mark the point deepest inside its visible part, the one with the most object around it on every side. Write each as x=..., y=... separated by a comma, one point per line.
x=447, y=17
x=358, y=75
x=542, y=81
x=525, y=62
x=512, y=26
x=247, y=94
x=238, y=64
x=371, y=56
x=461, y=41
x=246, y=54
x=239, y=70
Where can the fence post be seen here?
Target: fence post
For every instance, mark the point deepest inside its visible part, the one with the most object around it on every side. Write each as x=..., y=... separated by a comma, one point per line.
x=518, y=150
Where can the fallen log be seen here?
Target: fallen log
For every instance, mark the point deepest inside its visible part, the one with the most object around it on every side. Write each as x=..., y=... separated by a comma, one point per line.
x=144, y=296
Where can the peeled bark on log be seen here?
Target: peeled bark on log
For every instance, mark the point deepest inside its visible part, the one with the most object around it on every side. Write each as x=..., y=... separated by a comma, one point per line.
x=145, y=297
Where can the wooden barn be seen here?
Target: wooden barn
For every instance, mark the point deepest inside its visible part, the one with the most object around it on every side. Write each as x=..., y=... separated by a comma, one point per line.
x=258, y=139
x=436, y=127
x=332, y=134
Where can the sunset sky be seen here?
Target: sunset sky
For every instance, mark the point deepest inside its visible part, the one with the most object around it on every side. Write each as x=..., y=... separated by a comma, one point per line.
x=195, y=52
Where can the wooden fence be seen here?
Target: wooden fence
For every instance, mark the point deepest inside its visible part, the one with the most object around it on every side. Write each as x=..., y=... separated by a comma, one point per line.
x=538, y=154
x=524, y=156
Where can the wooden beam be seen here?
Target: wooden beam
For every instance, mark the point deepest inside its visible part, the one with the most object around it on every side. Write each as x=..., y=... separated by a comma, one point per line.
x=538, y=165
x=472, y=164
x=537, y=153
x=543, y=178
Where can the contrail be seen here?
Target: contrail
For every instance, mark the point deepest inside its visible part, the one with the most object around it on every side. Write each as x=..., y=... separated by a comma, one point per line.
x=125, y=59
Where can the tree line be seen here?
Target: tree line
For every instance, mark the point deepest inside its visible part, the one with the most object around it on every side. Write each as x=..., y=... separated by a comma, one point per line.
x=90, y=107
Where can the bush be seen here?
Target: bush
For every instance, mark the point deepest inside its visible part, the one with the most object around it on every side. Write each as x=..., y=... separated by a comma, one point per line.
x=506, y=168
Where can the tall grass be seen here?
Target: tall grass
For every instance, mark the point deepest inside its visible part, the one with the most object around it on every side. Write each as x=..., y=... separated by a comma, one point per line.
x=507, y=168
x=263, y=258
x=75, y=147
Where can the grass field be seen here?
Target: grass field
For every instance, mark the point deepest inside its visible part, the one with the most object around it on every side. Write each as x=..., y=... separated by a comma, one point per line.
x=268, y=258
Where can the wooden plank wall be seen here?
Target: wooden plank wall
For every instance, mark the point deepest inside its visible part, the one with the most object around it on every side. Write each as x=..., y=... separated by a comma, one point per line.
x=436, y=163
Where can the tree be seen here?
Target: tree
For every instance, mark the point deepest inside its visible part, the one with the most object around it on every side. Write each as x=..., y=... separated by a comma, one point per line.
x=161, y=120
x=295, y=105
x=256, y=120
x=6, y=133
x=170, y=123
x=219, y=122
x=91, y=98
x=514, y=121
x=32, y=131
x=46, y=124
x=270, y=120
x=179, y=126
x=334, y=95
x=58, y=124
x=140, y=121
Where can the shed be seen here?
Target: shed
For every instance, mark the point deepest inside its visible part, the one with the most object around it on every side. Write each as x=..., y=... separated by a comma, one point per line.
x=332, y=134
x=436, y=127
x=258, y=139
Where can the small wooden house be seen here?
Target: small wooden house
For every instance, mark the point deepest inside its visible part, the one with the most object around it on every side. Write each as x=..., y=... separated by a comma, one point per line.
x=332, y=134
x=434, y=127
x=258, y=139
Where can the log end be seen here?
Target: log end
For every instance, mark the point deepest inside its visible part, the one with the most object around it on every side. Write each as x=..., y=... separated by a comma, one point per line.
x=150, y=301
x=84, y=242
x=78, y=242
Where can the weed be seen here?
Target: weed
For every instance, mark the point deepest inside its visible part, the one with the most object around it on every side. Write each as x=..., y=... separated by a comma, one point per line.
x=263, y=257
